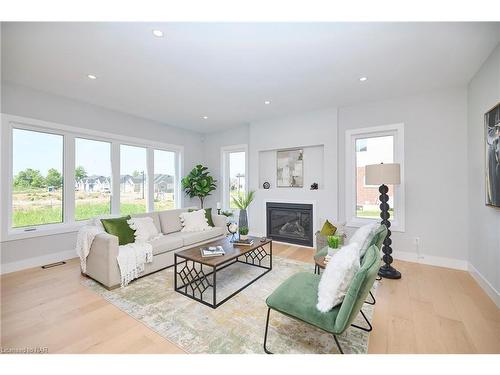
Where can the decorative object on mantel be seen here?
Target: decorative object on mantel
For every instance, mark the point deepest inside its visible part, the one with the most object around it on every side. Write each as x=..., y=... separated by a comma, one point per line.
x=492, y=143
x=218, y=208
x=266, y=185
x=290, y=168
x=383, y=175
x=198, y=183
x=242, y=201
x=314, y=186
x=233, y=229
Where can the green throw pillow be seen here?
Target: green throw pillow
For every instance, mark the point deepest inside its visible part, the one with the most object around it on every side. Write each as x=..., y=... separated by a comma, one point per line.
x=119, y=228
x=328, y=229
x=208, y=215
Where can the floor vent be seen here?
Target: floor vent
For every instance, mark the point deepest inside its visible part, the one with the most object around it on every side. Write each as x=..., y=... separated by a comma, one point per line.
x=53, y=265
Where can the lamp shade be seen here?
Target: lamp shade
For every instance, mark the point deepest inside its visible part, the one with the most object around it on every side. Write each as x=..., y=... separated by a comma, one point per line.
x=387, y=174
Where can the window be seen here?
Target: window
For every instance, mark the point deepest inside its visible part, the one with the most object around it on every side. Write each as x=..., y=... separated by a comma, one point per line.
x=234, y=173
x=372, y=150
x=164, y=180
x=37, y=184
x=381, y=144
x=60, y=176
x=92, y=178
x=133, y=175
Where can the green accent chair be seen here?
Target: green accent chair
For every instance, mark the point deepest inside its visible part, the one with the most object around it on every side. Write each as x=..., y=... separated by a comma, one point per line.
x=297, y=297
x=377, y=240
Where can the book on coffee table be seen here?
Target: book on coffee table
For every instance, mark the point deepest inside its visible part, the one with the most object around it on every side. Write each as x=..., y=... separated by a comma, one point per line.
x=212, y=251
x=247, y=242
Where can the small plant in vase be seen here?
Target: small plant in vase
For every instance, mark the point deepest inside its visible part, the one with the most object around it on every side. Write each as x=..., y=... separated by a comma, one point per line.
x=333, y=244
x=243, y=233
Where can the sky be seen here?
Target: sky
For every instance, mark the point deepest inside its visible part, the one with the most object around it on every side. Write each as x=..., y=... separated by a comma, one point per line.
x=43, y=151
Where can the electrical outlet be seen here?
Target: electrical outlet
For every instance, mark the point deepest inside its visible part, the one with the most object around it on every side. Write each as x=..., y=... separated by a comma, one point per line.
x=418, y=247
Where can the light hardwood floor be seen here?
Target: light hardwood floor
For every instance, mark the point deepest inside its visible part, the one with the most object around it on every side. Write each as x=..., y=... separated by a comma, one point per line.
x=430, y=310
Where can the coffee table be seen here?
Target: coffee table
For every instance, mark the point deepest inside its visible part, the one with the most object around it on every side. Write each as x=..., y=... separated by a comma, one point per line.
x=194, y=275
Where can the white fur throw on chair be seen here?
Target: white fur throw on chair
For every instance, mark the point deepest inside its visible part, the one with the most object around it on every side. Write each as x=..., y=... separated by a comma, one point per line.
x=337, y=277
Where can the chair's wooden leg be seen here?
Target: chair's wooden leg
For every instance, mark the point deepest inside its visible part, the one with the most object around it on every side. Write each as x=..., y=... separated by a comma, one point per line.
x=369, y=329
x=265, y=334
x=373, y=298
x=338, y=344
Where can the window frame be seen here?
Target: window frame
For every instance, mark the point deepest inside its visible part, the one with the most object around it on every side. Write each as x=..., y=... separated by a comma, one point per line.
x=351, y=135
x=69, y=133
x=225, y=151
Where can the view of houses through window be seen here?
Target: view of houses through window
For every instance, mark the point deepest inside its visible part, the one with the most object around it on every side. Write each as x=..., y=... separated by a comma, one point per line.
x=37, y=185
x=92, y=178
x=164, y=180
x=40, y=157
x=133, y=175
x=372, y=150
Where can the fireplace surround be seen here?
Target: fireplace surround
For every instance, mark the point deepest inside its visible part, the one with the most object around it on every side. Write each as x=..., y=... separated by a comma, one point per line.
x=290, y=222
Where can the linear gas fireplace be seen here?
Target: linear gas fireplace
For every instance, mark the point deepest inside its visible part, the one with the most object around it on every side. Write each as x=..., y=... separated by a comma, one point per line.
x=290, y=222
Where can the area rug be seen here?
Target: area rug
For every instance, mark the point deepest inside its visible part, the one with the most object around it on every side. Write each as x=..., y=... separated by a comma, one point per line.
x=236, y=326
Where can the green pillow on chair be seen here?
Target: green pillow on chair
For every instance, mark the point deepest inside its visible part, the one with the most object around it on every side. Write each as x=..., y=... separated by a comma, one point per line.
x=119, y=228
x=328, y=229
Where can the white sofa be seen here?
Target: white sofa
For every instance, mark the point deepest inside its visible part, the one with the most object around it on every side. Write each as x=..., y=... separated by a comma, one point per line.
x=102, y=265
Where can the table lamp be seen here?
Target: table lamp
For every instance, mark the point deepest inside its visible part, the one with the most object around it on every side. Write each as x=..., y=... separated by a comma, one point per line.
x=383, y=175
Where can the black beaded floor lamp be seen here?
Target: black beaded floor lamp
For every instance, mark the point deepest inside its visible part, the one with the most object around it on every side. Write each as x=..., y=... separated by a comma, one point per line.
x=383, y=175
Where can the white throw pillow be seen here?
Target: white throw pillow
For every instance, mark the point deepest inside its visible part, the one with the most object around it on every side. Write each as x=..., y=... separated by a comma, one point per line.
x=337, y=277
x=363, y=236
x=194, y=221
x=144, y=227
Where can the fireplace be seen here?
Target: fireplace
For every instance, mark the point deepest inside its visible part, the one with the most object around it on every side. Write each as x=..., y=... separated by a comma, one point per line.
x=290, y=222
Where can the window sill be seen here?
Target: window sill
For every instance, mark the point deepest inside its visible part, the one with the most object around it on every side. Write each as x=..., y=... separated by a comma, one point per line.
x=45, y=230
x=359, y=222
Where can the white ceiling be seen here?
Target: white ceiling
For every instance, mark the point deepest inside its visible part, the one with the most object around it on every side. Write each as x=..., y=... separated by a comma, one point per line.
x=226, y=71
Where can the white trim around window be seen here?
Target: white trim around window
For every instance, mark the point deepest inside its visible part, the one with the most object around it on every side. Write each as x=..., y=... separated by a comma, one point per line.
x=9, y=122
x=225, y=151
x=395, y=130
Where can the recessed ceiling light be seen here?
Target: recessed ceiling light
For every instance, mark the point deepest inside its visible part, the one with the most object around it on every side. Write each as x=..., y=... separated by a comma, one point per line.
x=267, y=102
x=363, y=79
x=205, y=117
x=158, y=33
x=91, y=76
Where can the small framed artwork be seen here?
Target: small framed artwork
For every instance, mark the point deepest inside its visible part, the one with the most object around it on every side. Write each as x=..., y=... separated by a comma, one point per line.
x=290, y=168
x=492, y=143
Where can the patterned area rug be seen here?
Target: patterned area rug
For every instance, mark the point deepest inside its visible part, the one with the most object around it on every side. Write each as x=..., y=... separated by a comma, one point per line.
x=236, y=326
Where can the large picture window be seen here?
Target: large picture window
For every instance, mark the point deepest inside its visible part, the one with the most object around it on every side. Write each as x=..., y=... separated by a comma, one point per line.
x=37, y=184
x=59, y=176
x=374, y=145
x=92, y=178
x=133, y=176
x=164, y=180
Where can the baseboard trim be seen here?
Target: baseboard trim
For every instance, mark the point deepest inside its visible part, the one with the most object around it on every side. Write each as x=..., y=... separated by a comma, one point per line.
x=432, y=260
x=485, y=285
x=37, y=262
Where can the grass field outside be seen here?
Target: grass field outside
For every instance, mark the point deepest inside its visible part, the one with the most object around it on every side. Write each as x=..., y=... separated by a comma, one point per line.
x=38, y=207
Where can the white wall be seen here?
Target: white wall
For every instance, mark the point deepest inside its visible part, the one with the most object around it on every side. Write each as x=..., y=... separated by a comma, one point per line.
x=22, y=101
x=484, y=222
x=435, y=175
x=317, y=128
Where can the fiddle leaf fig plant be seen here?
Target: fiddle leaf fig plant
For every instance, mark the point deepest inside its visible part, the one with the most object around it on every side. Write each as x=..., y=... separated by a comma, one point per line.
x=198, y=183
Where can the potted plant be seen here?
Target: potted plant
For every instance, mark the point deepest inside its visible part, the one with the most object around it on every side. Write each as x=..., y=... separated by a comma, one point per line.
x=243, y=233
x=242, y=201
x=198, y=183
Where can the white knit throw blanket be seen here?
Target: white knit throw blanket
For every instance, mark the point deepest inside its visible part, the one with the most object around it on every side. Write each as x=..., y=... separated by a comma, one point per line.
x=131, y=257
